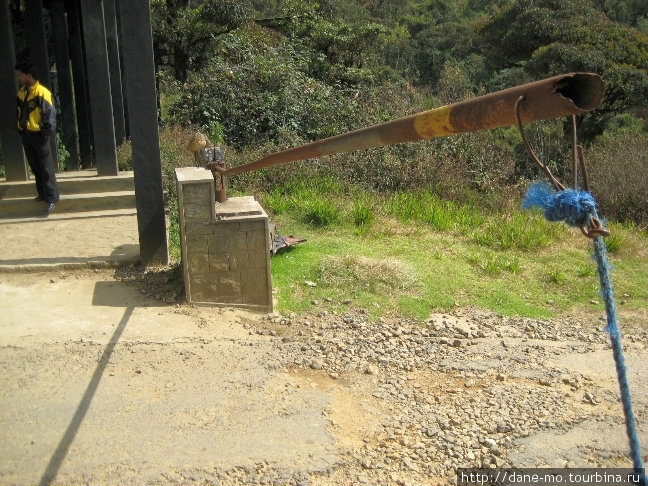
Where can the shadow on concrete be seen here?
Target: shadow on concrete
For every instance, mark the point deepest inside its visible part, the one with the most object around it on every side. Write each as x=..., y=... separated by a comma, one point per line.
x=40, y=215
x=109, y=294
x=63, y=447
x=112, y=293
x=122, y=255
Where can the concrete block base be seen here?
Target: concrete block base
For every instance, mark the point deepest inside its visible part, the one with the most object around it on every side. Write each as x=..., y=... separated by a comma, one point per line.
x=225, y=246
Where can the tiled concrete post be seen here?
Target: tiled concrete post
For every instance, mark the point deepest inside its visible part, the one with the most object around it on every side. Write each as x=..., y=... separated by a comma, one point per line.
x=225, y=246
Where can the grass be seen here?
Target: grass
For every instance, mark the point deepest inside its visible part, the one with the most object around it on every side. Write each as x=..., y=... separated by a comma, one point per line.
x=358, y=273
x=408, y=262
x=362, y=213
x=322, y=212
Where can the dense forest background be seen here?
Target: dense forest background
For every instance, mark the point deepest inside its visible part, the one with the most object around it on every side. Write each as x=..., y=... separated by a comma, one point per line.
x=263, y=75
x=260, y=68
x=260, y=75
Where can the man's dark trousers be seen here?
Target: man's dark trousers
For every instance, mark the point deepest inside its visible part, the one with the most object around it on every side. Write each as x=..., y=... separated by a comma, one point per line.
x=40, y=161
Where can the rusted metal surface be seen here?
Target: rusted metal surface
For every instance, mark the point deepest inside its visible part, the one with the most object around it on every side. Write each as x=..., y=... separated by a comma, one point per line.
x=568, y=94
x=211, y=157
x=279, y=243
x=219, y=182
x=283, y=242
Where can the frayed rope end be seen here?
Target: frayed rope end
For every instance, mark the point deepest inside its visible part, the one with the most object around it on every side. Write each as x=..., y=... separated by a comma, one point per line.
x=576, y=208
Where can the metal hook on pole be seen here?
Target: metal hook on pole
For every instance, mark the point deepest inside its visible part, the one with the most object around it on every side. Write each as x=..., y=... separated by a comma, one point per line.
x=556, y=183
x=594, y=226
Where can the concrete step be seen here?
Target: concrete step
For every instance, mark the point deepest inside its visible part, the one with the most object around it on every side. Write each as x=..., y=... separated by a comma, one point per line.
x=27, y=207
x=78, y=182
x=56, y=215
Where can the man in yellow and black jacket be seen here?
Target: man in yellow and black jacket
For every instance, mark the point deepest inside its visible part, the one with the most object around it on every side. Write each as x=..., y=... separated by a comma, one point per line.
x=36, y=124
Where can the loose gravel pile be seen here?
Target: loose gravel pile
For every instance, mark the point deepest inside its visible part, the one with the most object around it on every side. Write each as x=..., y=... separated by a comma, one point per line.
x=455, y=391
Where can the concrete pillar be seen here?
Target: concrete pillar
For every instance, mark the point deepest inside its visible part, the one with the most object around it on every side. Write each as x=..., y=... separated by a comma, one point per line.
x=96, y=58
x=225, y=246
x=37, y=44
x=37, y=41
x=12, y=151
x=139, y=79
x=121, y=69
x=84, y=126
x=64, y=76
x=112, y=42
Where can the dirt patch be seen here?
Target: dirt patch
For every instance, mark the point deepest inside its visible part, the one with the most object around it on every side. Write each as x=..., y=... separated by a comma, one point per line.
x=106, y=382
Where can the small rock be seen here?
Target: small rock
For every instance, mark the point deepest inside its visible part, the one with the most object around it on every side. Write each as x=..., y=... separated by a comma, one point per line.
x=589, y=398
x=317, y=364
x=371, y=370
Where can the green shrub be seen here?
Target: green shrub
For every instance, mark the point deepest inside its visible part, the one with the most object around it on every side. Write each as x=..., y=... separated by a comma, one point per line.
x=277, y=202
x=586, y=270
x=493, y=264
x=321, y=212
x=404, y=206
x=430, y=209
x=257, y=98
x=362, y=213
x=517, y=230
x=438, y=214
x=62, y=153
x=125, y=156
x=174, y=153
x=556, y=276
x=618, y=176
x=613, y=242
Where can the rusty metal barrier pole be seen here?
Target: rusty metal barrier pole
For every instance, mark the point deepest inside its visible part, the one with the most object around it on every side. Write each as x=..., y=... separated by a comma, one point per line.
x=558, y=96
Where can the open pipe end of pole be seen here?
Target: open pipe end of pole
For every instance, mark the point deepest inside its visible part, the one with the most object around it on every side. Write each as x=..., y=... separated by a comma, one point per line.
x=555, y=97
x=585, y=90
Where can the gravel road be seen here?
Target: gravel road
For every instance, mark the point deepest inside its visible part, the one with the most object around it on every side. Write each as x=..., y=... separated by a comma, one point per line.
x=109, y=378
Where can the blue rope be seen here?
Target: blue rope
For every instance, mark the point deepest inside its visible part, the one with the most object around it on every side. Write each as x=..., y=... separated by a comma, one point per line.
x=571, y=206
x=576, y=208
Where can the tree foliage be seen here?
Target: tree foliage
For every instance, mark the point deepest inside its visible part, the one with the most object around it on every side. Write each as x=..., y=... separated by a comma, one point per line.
x=549, y=37
x=289, y=71
x=184, y=36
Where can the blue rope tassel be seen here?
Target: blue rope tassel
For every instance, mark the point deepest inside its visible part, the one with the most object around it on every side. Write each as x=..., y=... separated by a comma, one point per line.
x=571, y=206
x=576, y=208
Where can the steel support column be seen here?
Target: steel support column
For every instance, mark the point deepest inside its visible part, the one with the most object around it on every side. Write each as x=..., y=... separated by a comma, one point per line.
x=139, y=77
x=64, y=81
x=112, y=42
x=96, y=58
x=84, y=125
x=37, y=42
x=12, y=151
